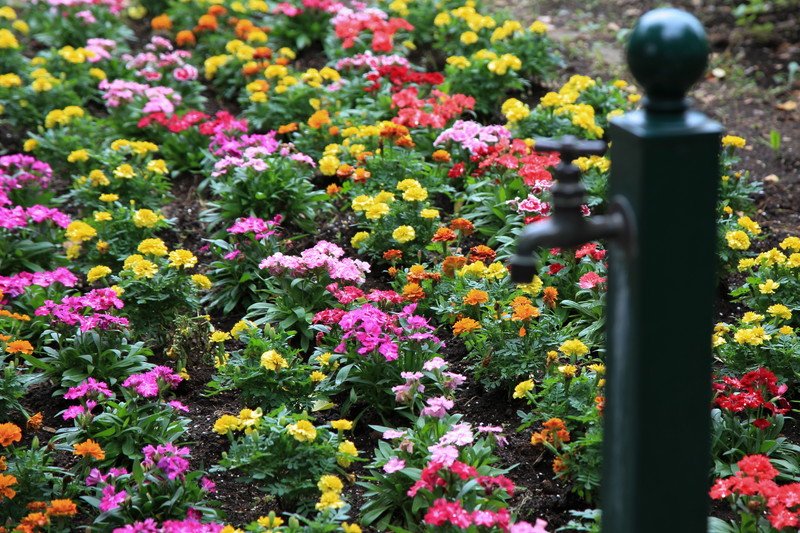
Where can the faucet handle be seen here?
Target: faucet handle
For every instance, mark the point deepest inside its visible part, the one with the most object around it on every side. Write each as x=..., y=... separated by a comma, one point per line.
x=570, y=147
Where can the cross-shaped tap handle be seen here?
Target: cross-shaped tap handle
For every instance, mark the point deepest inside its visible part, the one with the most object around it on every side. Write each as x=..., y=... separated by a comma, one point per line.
x=570, y=148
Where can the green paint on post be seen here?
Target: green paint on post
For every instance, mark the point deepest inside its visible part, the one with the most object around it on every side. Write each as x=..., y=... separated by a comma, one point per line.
x=661, y=290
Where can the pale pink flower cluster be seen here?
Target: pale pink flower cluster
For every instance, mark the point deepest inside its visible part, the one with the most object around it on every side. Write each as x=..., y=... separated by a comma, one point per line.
x=529, y=205
x=261, y=228
x=323, y=257
x=86, y=311
x=157, y=99
x=20, y=170
x=160, y=59
x=472, y=136
x=372, y=61
x=101, y=48
x=15, y=285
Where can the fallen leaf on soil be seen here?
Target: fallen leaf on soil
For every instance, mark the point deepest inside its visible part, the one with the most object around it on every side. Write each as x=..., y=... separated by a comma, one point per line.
x=787, y=106
x=772, y=178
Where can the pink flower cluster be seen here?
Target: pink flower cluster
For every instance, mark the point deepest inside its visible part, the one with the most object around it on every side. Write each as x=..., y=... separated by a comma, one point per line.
x=19, y=217
x=349, y=23
x=433, y=112
x=377, y=331
x=73, y=310
x=171, y=526
x=88, y=392
x=160, y=59
x=472, y=136
x=153, y=382
x=168, y=458
x=290, y=10
x=262, y=229
x=157, y=99
x=372, y=61
x=444, y=512
x=111, y=497
x=16, y=284
x=101, y=48
x=323, y=257
x=18, y=170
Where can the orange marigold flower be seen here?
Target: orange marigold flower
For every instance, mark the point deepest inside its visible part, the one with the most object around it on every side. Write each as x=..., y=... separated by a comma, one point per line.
x=344, y=171
x=390, y=129
x=319, y=119
x=5, y=486
x=465, y=325
x=185, y=38
x=243, y=28
x=89, y=448
x=283, y=61
x=600, y=403
x=361, y=175
x=463, y=225
x=444, y=235
x=333, y=130
x=452, y=263
x=19, y=347
x=482, y=253
x=554, y=431
x=3, y=465
x=161, y=22
x=15, y=316
x=525, y=312
x=392, y=271
x=251, y=69
x=9, y=434
x=217, y=10
x=287, y=128
x=405, y=142
x=332, y=189
x=34, y=520
x=62, y=508
x=519, y=300
x=34, y=422
x=4, y=338
x=441, y=156
x=393, y=254
x=207, y=22
x=558, y=465
x=476, y=297
x=522, y=332
x=36, y=506
x=263, y=52
x=550, y=296
x=413, y=292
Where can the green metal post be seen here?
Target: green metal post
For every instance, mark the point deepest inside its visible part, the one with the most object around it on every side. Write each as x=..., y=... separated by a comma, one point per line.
x=661, y=289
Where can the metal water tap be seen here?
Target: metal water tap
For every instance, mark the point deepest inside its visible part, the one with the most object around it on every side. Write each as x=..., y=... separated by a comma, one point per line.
x=567, y=227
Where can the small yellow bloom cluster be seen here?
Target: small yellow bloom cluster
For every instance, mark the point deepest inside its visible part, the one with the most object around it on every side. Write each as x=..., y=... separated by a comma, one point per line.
x=272, y=360
x=412, y=190
x=62, y=117
x=135, y=147
x=573, y=347
x=522, y=389
x=248, y=421
x=734, y=141
x=331, y=488
x=404, y=234
x=601, y=163
x=515, y=110
x=374, y=207
x=76, y=55
x=329, y=163
x=302, y=431
x=146, y=218
x=347, y=452
x=479, y=270
x=141, y=267
x=213, y=64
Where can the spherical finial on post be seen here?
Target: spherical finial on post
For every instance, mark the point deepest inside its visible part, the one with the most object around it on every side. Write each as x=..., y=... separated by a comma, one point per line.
x=667, y=54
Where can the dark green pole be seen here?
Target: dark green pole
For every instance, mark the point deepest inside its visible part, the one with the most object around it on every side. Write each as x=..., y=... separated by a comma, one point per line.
x=661, y=289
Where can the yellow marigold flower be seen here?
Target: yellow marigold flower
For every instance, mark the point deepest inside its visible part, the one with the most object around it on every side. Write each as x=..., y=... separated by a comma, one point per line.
x=78, y=156
x=523, y=388
x=317, y=376
x=159, y=166
x=270, y=521
x=324, y=359
x=496, y=270
x=752, y=336
x=733, y=140
x=153, y=247
x=102, y=216
x=97, y=73
x=303, y=431
x=750, y=317
x=573, y=347
x=144, y=269
x=182, y=259
x=737, y=240
x=376, y=211
x=771, y=257
x=272, y=360
x=124, y=171
x=350, y=528
x=30, y=145
x=460, y=62
x=794, y=260
x=79, y=231
x=404, y=234
x=329, y=483
x=469, y=37
x=515, y=110
x=768, y=287
x=361, y=203
x=786, y=330
x=227, y=423
x=342, y=424
x=415, y=194
x=407, y=184
x=329, y=500
x=98, y=272
x=384, y=197
x=791, y=243
x=359, y=238
x=568, y=371
x=780, y=311
x=328, y=165
x=102, y=246
x=7, y=39
x=348, y=451
x=429, y=214
x=8, y=13
x=250, y=419
x=201, y=281
x=145, y=218
x=533, y=288
x=538, y=27
x=750, y=225
x=746, y=264
x=598, y=368
x=220, y=336
x=441, y=19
